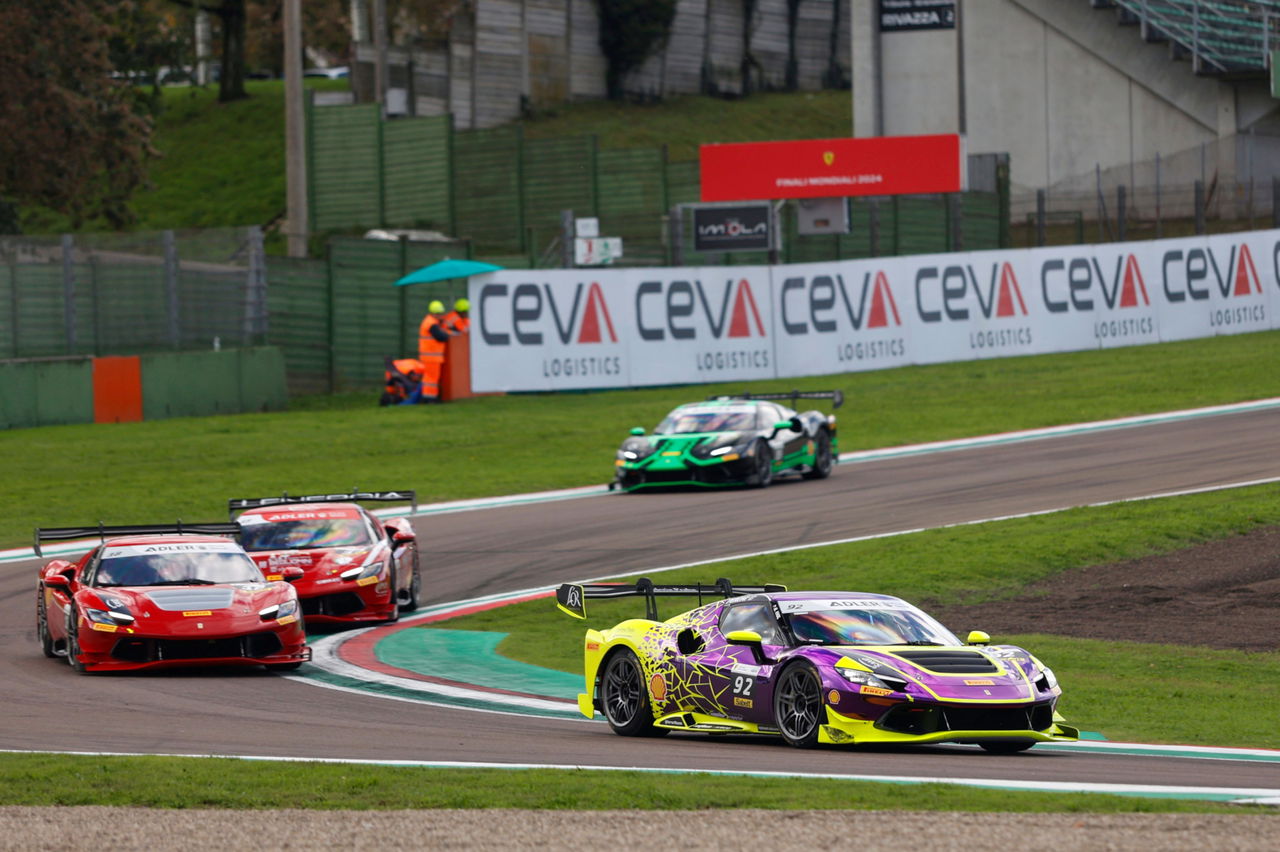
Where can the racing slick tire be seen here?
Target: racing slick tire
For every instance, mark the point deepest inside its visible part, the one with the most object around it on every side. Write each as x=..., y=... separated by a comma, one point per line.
x=624, y=699
x=42, y=626
x=763, y=474
x=1006, y=746
x=73, y=641
x=822, y=460
x=415, y=587
x=395, y=598
x=797, y=705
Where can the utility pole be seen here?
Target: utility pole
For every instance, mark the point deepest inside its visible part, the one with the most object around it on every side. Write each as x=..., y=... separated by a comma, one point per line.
x=380, y=48
x=295, y=133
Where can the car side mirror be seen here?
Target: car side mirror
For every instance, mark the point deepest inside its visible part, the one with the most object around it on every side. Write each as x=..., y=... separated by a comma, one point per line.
x=637, y=430
x=291, y=573
x=796, y=424
x=401, y=536
x=977, y=637
x=57, y=581
x=749, y=639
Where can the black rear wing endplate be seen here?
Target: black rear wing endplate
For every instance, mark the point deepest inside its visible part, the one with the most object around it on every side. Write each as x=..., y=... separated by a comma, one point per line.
x=104, y=530
x=836, y=396
x=571, y=598
x=354, y=496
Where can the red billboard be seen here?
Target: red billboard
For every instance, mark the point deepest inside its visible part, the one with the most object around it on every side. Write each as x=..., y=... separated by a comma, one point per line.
x=818, y=168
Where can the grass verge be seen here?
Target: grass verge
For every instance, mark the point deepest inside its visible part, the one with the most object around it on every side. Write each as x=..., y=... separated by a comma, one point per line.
x=1127, y=691
x=169, y=782
x=188, y=468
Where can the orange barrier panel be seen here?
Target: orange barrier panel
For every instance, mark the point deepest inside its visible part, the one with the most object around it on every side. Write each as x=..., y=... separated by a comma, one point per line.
x=455, y=383
x=117, y=389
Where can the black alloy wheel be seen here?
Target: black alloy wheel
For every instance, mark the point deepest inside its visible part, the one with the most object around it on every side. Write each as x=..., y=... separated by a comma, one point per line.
x=797, y=705
x=624, y=698
x=822, y=460
x=415, y=586
x=395, y=596
x=73, y=641
x=763, y=473
x=42, y=626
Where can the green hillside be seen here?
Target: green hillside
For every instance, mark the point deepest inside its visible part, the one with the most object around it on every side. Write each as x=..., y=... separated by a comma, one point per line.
x=223, y=164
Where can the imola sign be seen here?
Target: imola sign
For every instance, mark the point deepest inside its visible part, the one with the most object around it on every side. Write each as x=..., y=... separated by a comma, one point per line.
x=606, y=328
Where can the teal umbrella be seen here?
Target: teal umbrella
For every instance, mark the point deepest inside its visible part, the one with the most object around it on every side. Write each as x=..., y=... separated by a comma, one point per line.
x=446, y=269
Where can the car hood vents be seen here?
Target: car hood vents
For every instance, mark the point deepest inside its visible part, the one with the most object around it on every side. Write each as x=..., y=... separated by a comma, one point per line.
x=182, y=600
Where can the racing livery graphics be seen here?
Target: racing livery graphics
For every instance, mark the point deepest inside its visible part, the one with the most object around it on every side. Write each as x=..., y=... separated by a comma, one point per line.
x=354, y=567
x=811, y=667
x=607, y=328
x=164, y=596
x=742, y=440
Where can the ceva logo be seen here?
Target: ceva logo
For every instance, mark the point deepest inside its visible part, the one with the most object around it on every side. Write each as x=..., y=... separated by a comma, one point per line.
x=999, y=296
x=669, y=307
x=1236, y=276
x=1069, y=284
x=875, y=305
x=531, y=306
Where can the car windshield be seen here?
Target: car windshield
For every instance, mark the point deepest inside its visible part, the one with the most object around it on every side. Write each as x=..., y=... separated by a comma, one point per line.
x=177, y=569
x=686, y=421
x=305, y=534
x=905, y=626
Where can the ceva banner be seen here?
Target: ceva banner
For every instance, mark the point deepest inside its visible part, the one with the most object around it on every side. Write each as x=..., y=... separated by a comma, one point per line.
x=566, y=329
x=563, y=329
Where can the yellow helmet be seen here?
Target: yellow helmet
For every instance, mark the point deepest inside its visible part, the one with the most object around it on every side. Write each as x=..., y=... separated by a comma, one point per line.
x=462, y=306
x=436, y=307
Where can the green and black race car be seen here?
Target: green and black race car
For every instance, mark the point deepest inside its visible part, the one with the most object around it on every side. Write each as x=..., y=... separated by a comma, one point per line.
x=732, y=440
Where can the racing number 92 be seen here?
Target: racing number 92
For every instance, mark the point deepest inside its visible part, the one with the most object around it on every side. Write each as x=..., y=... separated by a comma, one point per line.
x=743, y=685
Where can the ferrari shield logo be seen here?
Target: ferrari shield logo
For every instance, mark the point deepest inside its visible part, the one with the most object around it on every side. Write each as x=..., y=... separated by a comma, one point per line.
x=828, y=157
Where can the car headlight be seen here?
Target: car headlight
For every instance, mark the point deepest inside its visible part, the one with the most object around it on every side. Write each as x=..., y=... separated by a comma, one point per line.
x=634, y=449
x=278, y=611
x=1047, y=679
x=861, y=678
x=718, y=446
x=108, y=616
x=369, y=568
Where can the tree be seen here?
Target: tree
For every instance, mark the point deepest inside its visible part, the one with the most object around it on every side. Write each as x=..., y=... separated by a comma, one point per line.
x=231, y=16
x=630, y=30
x=75, y=139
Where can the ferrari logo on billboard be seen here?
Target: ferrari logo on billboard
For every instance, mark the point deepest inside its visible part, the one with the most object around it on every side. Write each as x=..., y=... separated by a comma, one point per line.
x=828, y=157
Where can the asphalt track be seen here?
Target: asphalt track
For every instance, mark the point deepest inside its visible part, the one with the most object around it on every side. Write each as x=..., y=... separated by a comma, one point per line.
x=48, y=707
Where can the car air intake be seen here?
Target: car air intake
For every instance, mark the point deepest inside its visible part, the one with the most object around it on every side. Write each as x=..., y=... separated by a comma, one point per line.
x=948, y=662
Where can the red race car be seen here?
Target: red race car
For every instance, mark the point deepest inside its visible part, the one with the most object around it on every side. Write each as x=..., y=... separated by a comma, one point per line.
x=157, y=596
x=356, y=566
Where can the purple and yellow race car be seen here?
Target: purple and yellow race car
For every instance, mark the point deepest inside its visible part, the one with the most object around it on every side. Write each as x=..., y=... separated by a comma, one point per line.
x=811, y=667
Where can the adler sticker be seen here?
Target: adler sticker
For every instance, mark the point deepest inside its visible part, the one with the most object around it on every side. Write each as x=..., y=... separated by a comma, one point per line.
x=980, y=682
x=193, y=613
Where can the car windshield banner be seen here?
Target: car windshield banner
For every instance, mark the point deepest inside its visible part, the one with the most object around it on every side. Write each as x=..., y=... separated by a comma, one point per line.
x=607, y=328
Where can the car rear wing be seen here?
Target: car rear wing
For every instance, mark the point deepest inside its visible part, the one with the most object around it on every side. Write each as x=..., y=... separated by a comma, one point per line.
x=354, y=496
x=571, y=598
x=103, y=530
x=836, y=396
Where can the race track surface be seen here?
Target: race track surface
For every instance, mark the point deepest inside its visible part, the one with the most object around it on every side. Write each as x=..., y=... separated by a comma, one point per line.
x=48, y=707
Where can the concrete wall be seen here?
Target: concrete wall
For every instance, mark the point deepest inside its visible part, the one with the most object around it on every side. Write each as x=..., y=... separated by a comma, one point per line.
x=1063, y=88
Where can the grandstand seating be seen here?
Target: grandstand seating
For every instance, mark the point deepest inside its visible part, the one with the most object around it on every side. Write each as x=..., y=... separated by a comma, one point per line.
x=1226, y=38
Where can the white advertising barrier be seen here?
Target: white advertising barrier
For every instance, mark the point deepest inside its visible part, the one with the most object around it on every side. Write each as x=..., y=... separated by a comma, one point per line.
x=693, y=325
x=582, y=328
